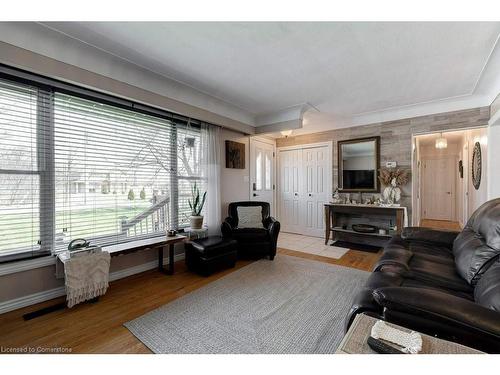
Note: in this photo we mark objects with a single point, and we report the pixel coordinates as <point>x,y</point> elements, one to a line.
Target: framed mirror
<point>359,161</point>
<point>476,166</point>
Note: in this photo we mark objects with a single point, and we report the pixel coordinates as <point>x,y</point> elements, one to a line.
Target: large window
<point>19,170</point>
<point>77,168</point>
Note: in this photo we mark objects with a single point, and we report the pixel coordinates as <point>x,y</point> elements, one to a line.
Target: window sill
<point>26,265</point>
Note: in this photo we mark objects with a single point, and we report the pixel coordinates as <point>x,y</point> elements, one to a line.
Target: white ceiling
<point>347,71</point>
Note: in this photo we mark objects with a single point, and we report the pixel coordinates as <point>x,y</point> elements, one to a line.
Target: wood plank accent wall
<point>395,138</point>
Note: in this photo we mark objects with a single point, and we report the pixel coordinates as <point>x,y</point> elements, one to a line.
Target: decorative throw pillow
<point>250,217</point>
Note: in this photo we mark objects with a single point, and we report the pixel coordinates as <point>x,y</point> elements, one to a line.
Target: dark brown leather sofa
<point>446,284</point>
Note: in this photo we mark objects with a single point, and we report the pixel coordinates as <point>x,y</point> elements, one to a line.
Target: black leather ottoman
<point>206,255</point>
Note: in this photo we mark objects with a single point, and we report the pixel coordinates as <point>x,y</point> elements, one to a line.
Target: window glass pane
<point>268,171</point>
<point>19,180</point>
<point>189,152</point>
<point>190,170</point>
<point>19,213</point>
<point>18,130</point>
<point>112,172</point>
<point>258,170</point>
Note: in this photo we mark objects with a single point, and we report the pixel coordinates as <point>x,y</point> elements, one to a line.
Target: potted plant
<point>196,205</point>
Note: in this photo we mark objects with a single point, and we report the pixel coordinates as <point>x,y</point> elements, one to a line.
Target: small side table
<point>195,234</point>
<point>354,342</point>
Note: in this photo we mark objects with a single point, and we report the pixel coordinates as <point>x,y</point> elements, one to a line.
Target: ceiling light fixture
<point>441,142</point>
<point>286,133</point>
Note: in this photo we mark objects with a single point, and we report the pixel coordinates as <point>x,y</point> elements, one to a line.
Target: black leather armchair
<point>445,284</point>
<point>252,242</point>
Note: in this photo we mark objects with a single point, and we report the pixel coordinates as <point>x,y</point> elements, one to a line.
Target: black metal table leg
<point>160,259</point>
<point>170,269</point>
<point>171,259</point>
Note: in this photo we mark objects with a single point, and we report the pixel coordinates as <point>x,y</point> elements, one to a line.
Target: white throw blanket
<point>87,276</point>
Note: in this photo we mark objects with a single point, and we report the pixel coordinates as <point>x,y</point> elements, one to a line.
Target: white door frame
<point>328,144</point>
<point>271,142</point>
<point>415,219</point>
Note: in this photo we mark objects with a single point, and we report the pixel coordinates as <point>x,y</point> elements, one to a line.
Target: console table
<point>340,217</point>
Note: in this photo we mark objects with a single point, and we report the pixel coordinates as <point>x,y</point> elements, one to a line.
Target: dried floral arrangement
<point>402,176</point>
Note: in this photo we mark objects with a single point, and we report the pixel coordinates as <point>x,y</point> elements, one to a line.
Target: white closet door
<point>315,177</point>
<point>289,177</point>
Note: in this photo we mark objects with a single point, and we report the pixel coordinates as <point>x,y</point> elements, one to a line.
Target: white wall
<point>494,157</point>
<point>478,197</point>
<point>235,185</point>
<point>494,151</point>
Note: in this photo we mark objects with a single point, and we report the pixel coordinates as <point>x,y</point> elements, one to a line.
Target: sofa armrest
<point>460,315</point>
<point>227,226</point>
<point>273,226</point>
<point>439,237</point>
<point>268,221</point>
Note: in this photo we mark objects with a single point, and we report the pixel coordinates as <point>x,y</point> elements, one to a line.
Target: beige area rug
<point>289,305</point>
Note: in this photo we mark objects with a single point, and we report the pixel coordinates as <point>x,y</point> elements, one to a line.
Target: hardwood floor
<point>441,224</point>
<point>98,327</point>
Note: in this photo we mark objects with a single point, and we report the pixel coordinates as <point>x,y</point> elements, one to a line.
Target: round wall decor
<point>476,165</point>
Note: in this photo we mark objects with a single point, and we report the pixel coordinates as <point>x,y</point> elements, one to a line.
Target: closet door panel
<point>289,171</point>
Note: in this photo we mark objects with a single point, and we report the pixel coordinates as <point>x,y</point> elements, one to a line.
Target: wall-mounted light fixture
<point>286,133</point>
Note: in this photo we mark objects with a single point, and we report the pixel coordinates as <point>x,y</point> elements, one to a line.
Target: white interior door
<point>315,192</point>
<point>438,195</point>
<point>289,185</point>
<point>262,172</point>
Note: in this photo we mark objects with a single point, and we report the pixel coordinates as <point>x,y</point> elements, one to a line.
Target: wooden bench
<point>160,243</point>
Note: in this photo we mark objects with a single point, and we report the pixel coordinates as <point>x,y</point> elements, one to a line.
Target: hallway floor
<point>309,245</point>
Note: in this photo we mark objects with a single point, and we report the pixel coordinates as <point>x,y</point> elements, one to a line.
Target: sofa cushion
<point>442,276</point>
<point>251,235</point>
<point>400,254</point>
<point>479,243</point>
<point>486,222</point>
<point>430,249</point>
<point>487,291</point>
<point>472,254</point>
<point>428,235</point>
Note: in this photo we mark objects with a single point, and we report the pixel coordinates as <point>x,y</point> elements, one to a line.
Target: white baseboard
<point>46,295</point>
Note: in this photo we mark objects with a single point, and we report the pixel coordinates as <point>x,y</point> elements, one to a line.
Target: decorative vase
<point>392,194</point>
<point>196,222</point>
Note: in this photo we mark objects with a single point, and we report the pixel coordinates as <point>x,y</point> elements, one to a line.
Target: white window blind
<point>75,167</point>
<point>24,112</point>
<point>116,172</point>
